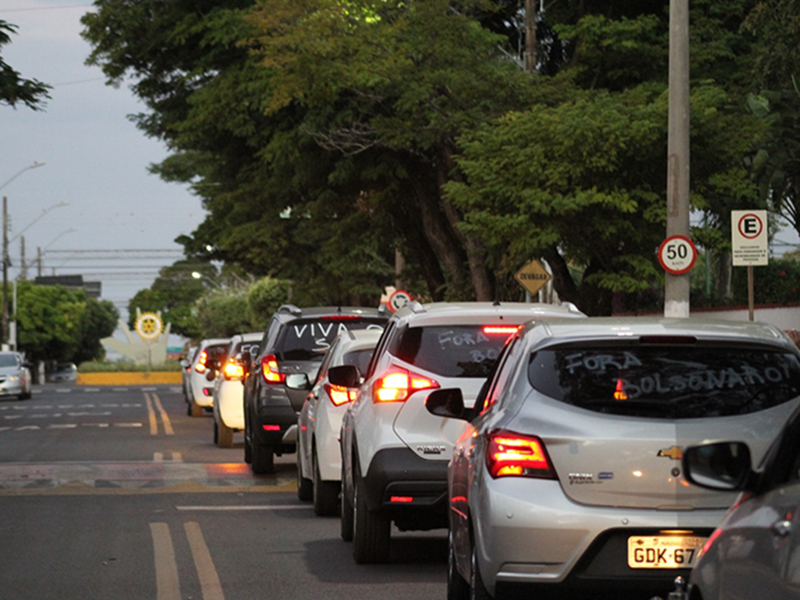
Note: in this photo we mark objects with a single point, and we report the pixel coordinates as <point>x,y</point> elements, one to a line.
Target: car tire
<point>346,506</point>
<point>305,487</point>
<point>371,531</point>
<point>477,589</point>
<point>457,586</point>
<point>263,460</point>
<point>216,432</point>
<point>326,493</point>
<point>224,435</point>
<point>194,410</point>
<point>26,396</point>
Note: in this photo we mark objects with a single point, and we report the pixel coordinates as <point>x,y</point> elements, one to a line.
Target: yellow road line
<point>206,571</point>
<point>151,414</point>
<point>164,416</point>
<point>168,586</point>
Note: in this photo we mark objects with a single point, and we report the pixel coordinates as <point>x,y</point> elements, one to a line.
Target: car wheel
<point>346,506</point>
<point>326,494</point>
<point>248,448</point>
<point>224,435</point>
<point>477,589</point>
<point>195,410</point>
<point>216,432</point>
<point>305,490</point>
<point>457,586</point>
<point>263,460</point>
<point>371,531</point>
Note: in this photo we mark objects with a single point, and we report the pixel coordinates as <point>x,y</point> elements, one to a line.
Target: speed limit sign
<point>677,254</point>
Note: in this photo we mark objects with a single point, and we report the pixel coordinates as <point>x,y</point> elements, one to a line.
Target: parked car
<point>755,550</point>
<point>319,459</point>
<point>568,476</point>
<point>15,376</point>
<point>394,453</point>
<point>64,372</point>
<point>295,341</point>
<point>228,396</point>
<point>186,371</point>
<point>208,360</point>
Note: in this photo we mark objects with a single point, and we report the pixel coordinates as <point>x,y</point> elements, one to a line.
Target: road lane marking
<point>206,571</point>
<point>151,415</point>
<point>168,585</point>
<point>251,507</point>
<point>164,416</point>
<point>159,457</point>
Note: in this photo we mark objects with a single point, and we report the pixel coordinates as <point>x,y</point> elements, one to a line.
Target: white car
<point>395,453</point>
<point>208,360</point>
<point>15,377</point>
<point>319,459</point>
<point>228,397</point>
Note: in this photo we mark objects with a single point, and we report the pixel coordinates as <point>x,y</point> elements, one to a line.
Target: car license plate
<point>663,551</point>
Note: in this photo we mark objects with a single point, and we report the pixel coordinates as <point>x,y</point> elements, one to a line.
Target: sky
<point>93,196</point>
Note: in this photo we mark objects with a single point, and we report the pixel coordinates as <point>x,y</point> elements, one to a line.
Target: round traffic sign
<point>398,300</point>
<point>677,254</point>
<point>750,226</point>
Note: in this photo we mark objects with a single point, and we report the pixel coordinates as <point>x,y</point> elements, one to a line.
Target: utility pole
<point>23,263</point>
<point>676,290</point>
<point>530,36</point>
<point>5,273</point>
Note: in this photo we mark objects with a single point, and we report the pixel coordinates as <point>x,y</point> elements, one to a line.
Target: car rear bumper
<point>528,533</point>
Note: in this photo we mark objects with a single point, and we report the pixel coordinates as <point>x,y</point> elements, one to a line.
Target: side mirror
<point>297,381</point>
<point>723,466</point>
<point>345,376</point>
<point>185,363</point>
<point>447,403</point>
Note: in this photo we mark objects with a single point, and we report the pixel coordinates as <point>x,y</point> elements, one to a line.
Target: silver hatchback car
<point>568,475</point>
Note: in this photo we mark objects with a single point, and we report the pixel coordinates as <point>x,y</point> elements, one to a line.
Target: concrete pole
<point>676,292</point>
<point>5,272</point>
<point>530,36</point>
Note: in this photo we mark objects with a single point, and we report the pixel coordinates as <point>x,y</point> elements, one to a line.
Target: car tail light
<point>510,454</point>
<point>500,329</point>
<point>398,384</point>
<point>270,371</point>
<point>200,367</point>
<point>232,370</point>
<point>339,394</point>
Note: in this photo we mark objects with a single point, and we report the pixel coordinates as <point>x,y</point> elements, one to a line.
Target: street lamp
<point>199,275</point>
<point>21,171</point>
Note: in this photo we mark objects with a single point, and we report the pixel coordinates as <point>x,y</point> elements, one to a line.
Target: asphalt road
<point>115,493</point>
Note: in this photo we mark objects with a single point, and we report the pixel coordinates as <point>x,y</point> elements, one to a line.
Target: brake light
<point>270,371</point>
<point>398,384</point>
<point>510,454</point>
<point>500,329</point>
<point>232,370</point>
<point>200,367</point>
<point>339,394</point>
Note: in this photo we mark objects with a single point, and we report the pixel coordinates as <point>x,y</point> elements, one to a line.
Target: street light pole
<point>5,273</point>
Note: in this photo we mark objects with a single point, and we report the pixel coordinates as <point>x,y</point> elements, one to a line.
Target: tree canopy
<point>14,89</point>
<point>335,142</point>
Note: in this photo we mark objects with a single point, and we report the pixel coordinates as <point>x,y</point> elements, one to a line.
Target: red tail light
<point>270,371</point>
<point>339,394</point>
<point>398,384</point>
<point>232,370</point>
<point>200,367</point>
<point>500,329</point>
<point>510,454</point>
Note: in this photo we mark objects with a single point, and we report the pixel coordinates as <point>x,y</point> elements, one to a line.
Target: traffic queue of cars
<point>564,455</point>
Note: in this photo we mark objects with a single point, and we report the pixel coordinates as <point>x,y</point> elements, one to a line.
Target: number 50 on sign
<point>677,254</point>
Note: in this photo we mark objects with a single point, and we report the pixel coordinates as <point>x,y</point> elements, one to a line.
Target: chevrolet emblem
<point>674,452</point>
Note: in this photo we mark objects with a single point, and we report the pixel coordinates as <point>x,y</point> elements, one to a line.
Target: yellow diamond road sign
<point>532,276</point>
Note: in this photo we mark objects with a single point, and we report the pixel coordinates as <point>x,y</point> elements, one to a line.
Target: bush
<point>126,367</point>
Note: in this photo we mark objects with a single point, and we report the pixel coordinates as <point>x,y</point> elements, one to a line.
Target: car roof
<point>365,337</point>
<point>476,312</point>
<point>290,311</point>
<point>605,328</point>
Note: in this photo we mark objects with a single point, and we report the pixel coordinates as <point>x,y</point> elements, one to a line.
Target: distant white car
<point>64,372</point>
<point>206,363</point>
<point>319,459</point>
<point>15,377</point>
<point>228,395</point>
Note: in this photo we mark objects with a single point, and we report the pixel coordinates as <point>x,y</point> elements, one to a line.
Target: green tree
<point>13,88</point>
<point>223,313</point>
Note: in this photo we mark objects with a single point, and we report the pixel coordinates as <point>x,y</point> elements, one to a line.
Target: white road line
<point>206,571</point>
<point>168,585</point>
<point>164,416</point>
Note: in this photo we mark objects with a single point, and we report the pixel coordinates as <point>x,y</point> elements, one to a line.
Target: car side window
<point>503,370</point>
<point>382,342</point>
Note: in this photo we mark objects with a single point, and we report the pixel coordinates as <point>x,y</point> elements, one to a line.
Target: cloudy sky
<point>94,192</point>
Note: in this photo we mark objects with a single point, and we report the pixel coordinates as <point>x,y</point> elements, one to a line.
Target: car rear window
<point>309,339</point>
<point>450,351</point>
<point>670,382</point>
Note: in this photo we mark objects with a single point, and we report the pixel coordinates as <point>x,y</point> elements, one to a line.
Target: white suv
<point>394,452</point>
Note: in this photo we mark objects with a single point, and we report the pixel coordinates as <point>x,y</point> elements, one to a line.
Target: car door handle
<point>782,528</point>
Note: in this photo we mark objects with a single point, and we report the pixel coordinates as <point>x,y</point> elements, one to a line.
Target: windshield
<point>8,360</point>
<point>670,381</point>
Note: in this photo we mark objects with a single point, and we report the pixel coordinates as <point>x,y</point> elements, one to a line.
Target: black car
<point>755,550</point>
<point>295,341</point>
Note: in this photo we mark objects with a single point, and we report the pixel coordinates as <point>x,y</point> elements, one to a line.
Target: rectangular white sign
<point>749,241</point>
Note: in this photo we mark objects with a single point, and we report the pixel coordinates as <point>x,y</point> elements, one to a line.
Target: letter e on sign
<point>749,239</point>
<point>677,254</point>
